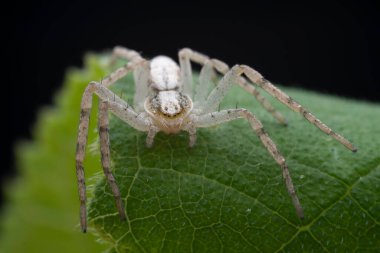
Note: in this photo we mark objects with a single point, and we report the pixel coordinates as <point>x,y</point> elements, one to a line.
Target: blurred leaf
<point>227,195</point>
<point>42,212</point>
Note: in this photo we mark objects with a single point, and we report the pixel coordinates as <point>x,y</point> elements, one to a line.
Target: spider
<point>163,102</point>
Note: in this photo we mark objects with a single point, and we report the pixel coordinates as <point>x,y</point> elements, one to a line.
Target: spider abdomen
<point>164,73</point>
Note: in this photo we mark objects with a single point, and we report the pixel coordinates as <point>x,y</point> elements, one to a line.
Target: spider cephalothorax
<point>163,101</point>
<point>169,109</point>
<point>169,104</point>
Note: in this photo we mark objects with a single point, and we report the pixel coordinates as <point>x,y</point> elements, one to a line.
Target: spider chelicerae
<point>163,101</point>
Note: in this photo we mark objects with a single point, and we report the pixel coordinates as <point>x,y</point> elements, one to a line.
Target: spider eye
<point>166,108</point>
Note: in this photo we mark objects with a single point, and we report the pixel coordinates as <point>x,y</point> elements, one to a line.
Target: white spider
<point>163,102</point>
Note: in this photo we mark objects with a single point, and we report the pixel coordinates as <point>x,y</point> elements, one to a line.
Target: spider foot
<point>149,142</point>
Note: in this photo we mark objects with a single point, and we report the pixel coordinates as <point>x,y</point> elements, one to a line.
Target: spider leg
<point>103,123</point>
<point>218,93</point>
<point>205,84</point>
<point>216,118</point>
<point>186,54</point>
<point>86,104</point>
<point>242,82</point>
<point>258,79</point>
<point>124,53</point>
<point>235,73</point>
<point>141,74</point>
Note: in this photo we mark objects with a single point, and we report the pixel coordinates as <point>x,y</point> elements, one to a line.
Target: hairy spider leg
<point>186,55</point>
<point>141,74</point>
<point>86,104</point>
<point>215,118</point>
<point>103,123</point>
<point>258,79</point>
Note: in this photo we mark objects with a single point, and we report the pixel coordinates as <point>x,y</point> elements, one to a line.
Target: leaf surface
<point>42,211</point>
<point>227,195</point>
<point>224,195</point>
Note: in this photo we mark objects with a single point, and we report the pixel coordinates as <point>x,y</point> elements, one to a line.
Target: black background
<point>329,46</point>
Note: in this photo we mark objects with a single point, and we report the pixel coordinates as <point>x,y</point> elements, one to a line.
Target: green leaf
<point>224,195</point>
<point>227,195</point>
<point>42,212</point>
